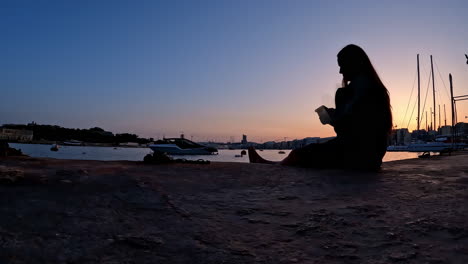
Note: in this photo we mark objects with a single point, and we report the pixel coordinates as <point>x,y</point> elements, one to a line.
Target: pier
<point>71,211</point>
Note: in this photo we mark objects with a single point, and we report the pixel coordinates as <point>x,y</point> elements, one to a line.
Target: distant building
<point>445,130</point>
<point>129,144</point>
<point>283,144</point>
<point>244,139</point>
<point>296,143</point>
<point>16,134</point>
<point>461,129</point>
<point>323,140</point>
<point>419,135</point>
<point>309,140</point>
<point>403,136</point>
<point>269,144</point>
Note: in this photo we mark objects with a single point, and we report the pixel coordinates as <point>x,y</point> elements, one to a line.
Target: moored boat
<point>430,147</point>
<point>73,143</point>
<point>181,146</point>
<point>54,147</point>
<point>397,148</point>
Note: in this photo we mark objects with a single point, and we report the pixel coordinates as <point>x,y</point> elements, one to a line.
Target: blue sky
<point>214,69</point>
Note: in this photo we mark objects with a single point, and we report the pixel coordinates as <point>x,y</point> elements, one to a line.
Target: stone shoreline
<point>75,211</point>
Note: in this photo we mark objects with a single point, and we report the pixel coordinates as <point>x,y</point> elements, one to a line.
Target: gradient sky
<point>217,69</point>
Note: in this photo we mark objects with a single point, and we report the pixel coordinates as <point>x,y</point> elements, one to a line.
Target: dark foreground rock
<point>6,151</point>
<point>63,211</point>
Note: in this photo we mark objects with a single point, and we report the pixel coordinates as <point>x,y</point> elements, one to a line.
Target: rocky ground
<point>64,211</point>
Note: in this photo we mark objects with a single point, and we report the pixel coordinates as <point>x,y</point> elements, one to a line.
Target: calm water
<point>137,154</point>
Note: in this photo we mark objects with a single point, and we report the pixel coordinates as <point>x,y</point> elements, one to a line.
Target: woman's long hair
<point>358,57</point>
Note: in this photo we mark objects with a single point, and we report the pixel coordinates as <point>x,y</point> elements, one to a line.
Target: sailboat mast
<point>452,102</point>
<point>430,111</point>
<point>427,127</point>
<point>439,119</point>
<point>433,93</point>
<point>445,116</point>
<point>419,93</point>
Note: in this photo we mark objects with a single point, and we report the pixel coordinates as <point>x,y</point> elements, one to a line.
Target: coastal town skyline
<point>217,69</point>
<point>52,134</point>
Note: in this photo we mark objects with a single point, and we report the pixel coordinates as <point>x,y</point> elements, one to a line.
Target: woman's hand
<point>324,115</point>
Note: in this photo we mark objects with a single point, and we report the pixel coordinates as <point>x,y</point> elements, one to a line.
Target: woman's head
<point>353,61</point>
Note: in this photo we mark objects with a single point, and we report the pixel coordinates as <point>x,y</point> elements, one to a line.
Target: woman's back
<point>364,121</point>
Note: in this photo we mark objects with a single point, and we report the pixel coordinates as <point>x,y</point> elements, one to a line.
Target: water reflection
<point>137,154</point>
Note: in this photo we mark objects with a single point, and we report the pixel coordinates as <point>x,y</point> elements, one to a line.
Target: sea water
<point>137,154</point>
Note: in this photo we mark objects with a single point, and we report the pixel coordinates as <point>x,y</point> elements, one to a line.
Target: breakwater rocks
<point>69,211</point>
<point>5,150</point>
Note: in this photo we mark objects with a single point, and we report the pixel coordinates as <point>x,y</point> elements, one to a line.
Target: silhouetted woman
<point>362,120</point>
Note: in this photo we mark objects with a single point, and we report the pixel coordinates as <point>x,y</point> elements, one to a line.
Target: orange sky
<point>217,69</point>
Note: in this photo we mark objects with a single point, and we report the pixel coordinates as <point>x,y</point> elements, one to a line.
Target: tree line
<point>92,135</point>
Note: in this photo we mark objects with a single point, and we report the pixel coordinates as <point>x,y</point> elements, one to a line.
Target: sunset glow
<point>218,69</point>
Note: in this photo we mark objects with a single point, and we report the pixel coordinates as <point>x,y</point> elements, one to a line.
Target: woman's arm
<point>331,113</point>
<point>350,99</point>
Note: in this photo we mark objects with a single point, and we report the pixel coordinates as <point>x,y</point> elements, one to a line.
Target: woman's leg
<point>255,158</point>
<point>295,158</point>
<point>322,155</point>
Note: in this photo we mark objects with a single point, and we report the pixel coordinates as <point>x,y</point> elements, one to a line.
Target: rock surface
<point>64,211</point>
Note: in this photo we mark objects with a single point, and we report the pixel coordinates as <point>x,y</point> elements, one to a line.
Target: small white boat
<point>397,148</point>
<point>181,146</point>
<point>73,143</point>
<point>54,147</point>
<point>423,147</point>
<point>430,147</point>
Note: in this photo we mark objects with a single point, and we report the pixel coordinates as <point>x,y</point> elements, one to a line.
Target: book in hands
<point>322,111</point>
